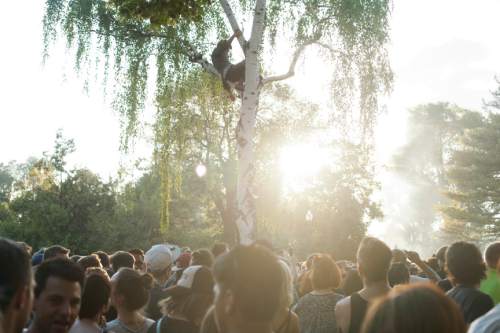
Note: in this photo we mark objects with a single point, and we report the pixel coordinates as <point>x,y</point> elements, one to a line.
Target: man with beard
<point>58,290</point>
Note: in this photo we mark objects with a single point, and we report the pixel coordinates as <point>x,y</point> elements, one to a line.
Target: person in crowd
<point>248,284</point>
<point>16,292</point>
<point>466,269</point>
<point>56,251</point>
<point>400,256</point>
<point>139,264</point>
<point>75,258</point>
<point>316,310</point>
<point>129,294</point>
<point>441,260</point>
<point>352,283</point>
<point>202,257</point>
<point>182,262</point>
<point>398,274</point>
<point>489,323</point>
<point>58,288</point>
<point>158,261</point>
<point>89,261</point>
<point>432,262</point>
<point>104,259</point>
<point>445,282</point>
<point>105,262</point>
<point>421,308</point>
<point>374,259</point>
<point>286,321</point>
<point>95,302</point>
<point>218,249</point>
<point>491,285</point>
<point>121,259</point>
<point>187,302</point>
<point>304,285</point>
<point>26,247</point>
<point>37,257</point>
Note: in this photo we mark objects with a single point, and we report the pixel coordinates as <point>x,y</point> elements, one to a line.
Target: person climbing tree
<point>233,76</point>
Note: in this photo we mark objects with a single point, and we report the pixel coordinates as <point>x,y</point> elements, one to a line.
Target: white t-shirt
<point>489,323</point>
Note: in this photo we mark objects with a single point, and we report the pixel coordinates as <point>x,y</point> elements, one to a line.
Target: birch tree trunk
<point>246,129</point>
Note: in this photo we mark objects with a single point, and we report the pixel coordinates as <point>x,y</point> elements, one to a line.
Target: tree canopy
<point>164,45</point>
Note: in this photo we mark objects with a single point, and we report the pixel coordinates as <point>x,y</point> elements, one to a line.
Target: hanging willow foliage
<point>128,40</point>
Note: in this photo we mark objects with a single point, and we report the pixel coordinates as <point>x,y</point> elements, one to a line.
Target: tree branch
<point>188,51</point>
<point>296,56</point>
<point>234,24</point>
<point>291,68</point>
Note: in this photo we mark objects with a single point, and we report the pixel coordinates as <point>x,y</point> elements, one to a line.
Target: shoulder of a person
<point>484,298</point>
<point>489,323</point>
<point>343,305</point>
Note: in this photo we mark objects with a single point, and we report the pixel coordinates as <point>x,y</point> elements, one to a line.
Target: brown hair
<point>465,264</point>
<point>53,251</point>
<point>492,255</point>
<point>89,262</point>
<point>421,308</point>
<point>325,273</point>
<point>253,274</point>
<point>374,258</point>
<point>202,257</point>
<point>95,295</point>
<point>134,287</point>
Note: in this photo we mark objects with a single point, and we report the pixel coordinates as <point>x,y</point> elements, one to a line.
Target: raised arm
<point>415,258</point>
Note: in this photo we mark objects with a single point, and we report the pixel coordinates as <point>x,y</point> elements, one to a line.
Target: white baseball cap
<point>158,257</point>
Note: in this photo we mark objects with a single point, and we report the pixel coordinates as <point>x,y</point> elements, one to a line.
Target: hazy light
<point>309,216</point>
<point>201,170</point>
<point>299,163</point>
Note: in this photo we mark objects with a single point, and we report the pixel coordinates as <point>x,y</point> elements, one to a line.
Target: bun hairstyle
<point>134,287</point>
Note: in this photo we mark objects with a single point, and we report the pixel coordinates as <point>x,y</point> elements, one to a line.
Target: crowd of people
<point>255,288</point>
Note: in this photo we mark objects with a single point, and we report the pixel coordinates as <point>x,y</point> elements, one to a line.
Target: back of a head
<point>59,267</point>
<point>122,259</point>
<point>254,276</point>
<point>417,308</point>
<point>133,286</point>
<point>202,257</point>
<point>398,256</point>
<point>15,271</point>
<point>325,273</point>
<point>492,255</point>
<point>464,264</point>
<point>95,295</point>
<point>352,283</point>
<point>89,261</point>
<point>104,258</point>
<point>441,254</point>
<point>55,251</point>
<point>219,248</point>
<point>398,274</point>
<point>374,259</point>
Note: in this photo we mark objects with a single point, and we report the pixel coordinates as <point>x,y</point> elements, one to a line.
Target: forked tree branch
<point>295,58</point>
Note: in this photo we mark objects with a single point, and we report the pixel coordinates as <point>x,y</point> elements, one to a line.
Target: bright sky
<point>444,50</point>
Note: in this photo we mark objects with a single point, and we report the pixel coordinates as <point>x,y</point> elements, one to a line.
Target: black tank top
<point>358,311</point>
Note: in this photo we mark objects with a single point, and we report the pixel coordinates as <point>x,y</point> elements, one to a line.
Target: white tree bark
<point>233,22</point>
<point>246,129</point>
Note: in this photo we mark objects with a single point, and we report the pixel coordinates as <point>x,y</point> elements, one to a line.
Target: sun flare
<point>299,164</point>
